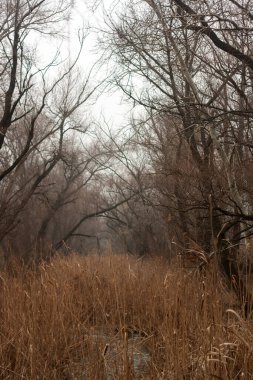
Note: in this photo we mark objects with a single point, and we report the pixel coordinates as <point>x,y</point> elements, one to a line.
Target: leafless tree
<point>189,64</point>
<point>51,163</point>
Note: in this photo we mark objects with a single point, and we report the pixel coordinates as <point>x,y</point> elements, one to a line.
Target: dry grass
<point>93,317</point>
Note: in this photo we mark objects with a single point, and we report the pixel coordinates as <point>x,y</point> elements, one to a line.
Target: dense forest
<point>177,175</point>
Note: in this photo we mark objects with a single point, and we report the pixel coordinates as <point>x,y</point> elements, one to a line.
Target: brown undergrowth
<point>119,317</point>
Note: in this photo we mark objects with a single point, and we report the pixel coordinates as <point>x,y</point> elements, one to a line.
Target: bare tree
<point>194,61</point>
<point>48,156</point>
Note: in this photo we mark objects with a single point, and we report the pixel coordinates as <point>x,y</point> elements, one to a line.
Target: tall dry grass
<point>88,317</point>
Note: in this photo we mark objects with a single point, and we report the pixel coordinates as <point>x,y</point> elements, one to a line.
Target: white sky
<point>109,106</point>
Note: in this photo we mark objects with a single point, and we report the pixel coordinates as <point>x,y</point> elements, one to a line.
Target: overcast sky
<point>109,105</point>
